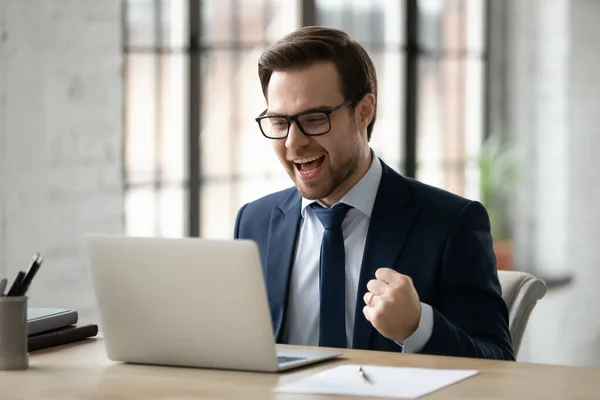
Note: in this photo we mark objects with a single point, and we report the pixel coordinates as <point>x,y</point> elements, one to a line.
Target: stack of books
<point>49,327</point>
<point>46,327</point>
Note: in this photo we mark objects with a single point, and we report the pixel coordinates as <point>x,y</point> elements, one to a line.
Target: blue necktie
<point>332,276</point>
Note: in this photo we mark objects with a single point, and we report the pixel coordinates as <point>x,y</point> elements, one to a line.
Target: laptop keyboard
<point>282,359</point>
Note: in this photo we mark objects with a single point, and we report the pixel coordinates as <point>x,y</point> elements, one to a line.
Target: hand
<point>392,305</point>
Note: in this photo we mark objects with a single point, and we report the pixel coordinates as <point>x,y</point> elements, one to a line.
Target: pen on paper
<point>364,375</point>
<point>3,283</point>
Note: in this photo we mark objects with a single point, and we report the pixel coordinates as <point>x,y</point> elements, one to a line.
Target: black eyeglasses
<point>311,122</point>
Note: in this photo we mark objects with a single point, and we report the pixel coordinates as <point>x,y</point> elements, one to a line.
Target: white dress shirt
<point>302,322</point>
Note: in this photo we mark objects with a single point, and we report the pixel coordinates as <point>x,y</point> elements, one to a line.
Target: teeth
<point>306,160</point>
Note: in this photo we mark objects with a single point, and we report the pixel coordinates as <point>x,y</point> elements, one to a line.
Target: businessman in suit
<point>356,255</point>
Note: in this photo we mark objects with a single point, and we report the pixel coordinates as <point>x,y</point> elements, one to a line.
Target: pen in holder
<point>13,333</point>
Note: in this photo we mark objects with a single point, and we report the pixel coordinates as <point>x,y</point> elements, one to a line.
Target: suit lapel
<point>393,215</point>
<point>283,232</point>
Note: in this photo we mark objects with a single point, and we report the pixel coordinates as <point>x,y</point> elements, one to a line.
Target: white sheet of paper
<point>390,382</point>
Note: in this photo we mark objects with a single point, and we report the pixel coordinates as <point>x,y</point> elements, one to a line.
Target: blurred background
<point>137,117</point>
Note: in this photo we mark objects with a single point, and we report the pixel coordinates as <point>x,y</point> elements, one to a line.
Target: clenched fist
<point>392,305</point>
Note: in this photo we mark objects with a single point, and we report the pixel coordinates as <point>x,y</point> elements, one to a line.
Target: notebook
<point>57,337</point>
<point>46,319</point>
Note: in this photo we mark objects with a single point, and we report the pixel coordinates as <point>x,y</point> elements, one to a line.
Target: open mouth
<point>309,167</point>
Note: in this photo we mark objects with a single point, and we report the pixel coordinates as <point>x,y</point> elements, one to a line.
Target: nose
<point>296,138</point>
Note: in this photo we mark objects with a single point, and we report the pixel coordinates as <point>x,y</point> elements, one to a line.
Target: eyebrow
<point>312,109</point>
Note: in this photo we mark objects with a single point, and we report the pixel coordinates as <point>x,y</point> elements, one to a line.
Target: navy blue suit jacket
<point>442,241</point>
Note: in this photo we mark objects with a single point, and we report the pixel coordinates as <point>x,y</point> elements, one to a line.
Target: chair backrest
<point>520,292</point>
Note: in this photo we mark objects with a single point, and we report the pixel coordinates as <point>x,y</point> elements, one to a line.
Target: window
<point>155,41</point>
<point>193,152</point>
<point>450,93</point>
<point>378,26</point>
<point>237,163</point>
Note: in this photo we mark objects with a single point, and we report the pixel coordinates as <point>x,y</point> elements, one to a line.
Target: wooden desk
<point>82,371</point>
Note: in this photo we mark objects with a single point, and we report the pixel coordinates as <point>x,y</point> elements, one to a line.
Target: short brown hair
<point>313,43</point>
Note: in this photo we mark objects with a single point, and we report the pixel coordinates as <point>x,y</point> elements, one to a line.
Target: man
<point>356,255</point>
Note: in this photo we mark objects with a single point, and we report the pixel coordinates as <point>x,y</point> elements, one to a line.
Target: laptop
<point>189,302</point>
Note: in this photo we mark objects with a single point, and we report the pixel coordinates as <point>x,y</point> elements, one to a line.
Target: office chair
<point>520,292</point>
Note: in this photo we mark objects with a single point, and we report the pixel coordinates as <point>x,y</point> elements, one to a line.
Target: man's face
<point>320,166</point>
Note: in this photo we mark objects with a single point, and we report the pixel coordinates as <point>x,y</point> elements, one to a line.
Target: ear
<point>365,110</point>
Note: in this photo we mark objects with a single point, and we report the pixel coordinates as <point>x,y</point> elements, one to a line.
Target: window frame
<point>193,50</point>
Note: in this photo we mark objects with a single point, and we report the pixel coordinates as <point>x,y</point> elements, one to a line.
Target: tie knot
<point>331,218</point>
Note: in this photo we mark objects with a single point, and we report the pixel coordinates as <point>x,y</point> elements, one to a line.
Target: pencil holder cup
<point>13,333</point>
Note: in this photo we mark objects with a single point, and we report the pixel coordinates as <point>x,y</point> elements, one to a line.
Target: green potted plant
<point>499,172</point>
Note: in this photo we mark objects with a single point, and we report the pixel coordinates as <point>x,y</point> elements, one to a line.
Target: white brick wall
<point>554,86</point>
<point>3,177</point>
<point>584,184</point>
<point>60,140</point>
<point>537,81</point>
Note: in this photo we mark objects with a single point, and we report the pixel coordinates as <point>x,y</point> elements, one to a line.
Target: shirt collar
<point>362,195</point>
